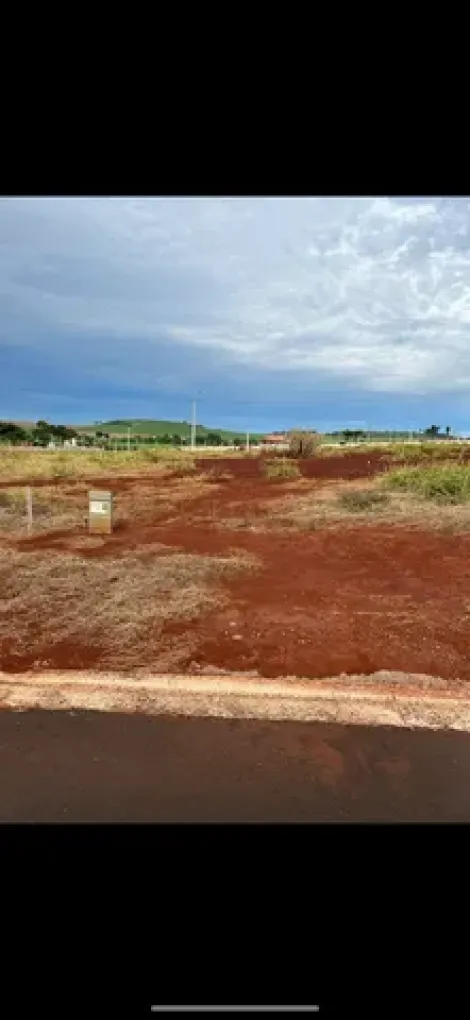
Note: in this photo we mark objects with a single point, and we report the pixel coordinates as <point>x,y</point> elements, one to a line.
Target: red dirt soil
<point>357,465</point>
<point>353,600</point>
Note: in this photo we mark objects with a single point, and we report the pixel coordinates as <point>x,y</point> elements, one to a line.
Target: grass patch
<point>361,501</point>
<point>429,452</point>
<point>25,464</point>
<point>445,483</point>
<point>66,610</point>
<point>278,470</point>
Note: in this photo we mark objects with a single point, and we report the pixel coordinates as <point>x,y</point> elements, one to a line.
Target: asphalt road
<point>92,766</point>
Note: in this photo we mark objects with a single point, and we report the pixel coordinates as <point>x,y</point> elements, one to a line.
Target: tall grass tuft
<point>279,469</point>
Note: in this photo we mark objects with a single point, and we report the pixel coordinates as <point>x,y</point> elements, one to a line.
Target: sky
<point>270,312</point>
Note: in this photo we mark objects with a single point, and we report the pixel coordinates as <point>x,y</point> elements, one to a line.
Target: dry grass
<point>66,507</point>
<point>355,503</point>
<point>16,465</point>
<point>304,444</point>
<point>278,470</point>
<point>51,509</point>
<point>24,464</point>
<point>108,612</point>
<point>362,500</point>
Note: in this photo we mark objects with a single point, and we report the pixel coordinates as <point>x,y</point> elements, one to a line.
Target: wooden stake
<point>29,508</point>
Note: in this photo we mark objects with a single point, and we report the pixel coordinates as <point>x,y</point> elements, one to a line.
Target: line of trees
<point>360,435</point>
<point>40,435</point>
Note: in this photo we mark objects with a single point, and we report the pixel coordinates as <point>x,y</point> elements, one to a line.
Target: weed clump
<point>362,501</point>
<point>280,469</point>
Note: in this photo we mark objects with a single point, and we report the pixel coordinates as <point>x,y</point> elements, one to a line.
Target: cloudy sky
<point>273,312</point>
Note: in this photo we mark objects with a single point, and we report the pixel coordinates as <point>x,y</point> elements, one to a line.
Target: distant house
<point>275,439</point>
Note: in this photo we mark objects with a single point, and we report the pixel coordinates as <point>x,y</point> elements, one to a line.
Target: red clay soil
<point>353,465</point>
<point>324,602</point>
<point>352,600</point>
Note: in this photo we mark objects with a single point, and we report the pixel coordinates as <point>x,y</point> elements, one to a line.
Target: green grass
<point>445,483</point>
<point>430,451</point>
<point>157,427</point>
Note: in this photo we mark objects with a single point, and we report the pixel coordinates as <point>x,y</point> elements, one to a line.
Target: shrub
<point>445,483</point>
<point>304,444</point>
<point>362,501</point>
<point>279,469</point>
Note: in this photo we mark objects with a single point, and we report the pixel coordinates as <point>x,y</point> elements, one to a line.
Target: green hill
<point>151,427</point>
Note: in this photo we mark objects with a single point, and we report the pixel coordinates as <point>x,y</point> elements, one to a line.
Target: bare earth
<point>224,570</point>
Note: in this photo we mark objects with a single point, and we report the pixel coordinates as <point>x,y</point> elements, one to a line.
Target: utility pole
<point>248,442</point>
<point>193,426</point>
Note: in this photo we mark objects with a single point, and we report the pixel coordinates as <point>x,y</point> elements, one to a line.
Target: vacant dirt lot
<point>222,568</point>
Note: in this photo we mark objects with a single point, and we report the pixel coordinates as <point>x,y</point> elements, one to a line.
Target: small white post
<point>29,508</point>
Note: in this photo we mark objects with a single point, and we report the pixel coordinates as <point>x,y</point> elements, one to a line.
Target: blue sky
<point>274,312</point>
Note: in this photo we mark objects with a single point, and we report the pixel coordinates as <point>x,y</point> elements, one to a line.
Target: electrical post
<point>193,426</point>
<point>248,442</point>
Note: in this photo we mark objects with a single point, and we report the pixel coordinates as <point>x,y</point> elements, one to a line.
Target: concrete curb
<point>239,697</point>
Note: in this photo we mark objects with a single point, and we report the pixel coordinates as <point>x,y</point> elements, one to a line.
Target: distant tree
<point>42,434</point>
<point>176,439</point>
<point>432,431</point>
<point>213,439</point>
<point>448,430</point>
<point>237,441</point>
<point>11,433</point>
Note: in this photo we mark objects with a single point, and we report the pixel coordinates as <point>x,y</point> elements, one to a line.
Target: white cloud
<point>374,291</point>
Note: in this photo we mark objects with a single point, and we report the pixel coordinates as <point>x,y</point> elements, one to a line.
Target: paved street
<point>86,766</point>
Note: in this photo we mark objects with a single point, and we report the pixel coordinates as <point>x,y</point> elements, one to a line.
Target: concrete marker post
<point>100,512</point>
